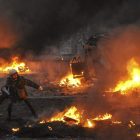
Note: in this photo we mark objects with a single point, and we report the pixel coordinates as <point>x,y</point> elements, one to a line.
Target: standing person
<point>15,90</point>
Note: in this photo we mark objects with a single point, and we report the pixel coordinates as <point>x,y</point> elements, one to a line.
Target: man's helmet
<point>12,72</point>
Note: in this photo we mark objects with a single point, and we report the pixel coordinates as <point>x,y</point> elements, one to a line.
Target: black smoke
<point>40,23</point>
<point>37,24</point>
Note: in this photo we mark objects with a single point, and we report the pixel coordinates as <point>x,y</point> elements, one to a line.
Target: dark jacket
<point>17,88</point>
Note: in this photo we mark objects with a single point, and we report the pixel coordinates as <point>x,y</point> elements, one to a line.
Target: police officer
<point>15,90</point>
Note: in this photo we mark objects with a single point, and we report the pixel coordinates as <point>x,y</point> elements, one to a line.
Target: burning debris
<point>69,81</point>
<point>20,67</point>
<point>70,125</point>
<point>72,116</point>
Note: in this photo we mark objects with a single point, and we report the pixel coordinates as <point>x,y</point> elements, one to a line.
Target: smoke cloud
<point>40,23</point>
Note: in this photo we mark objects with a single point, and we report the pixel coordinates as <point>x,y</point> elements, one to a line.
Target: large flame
<point>20,67</point>
<point>134,78</point>
<point>69,81</point>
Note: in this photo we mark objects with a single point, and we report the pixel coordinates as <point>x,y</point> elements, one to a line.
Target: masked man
<point>15,90</point>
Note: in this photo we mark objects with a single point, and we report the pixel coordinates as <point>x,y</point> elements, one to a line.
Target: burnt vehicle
<point>95,59</point>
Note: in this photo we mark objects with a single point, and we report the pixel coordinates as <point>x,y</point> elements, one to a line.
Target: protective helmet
<point>12,72</point>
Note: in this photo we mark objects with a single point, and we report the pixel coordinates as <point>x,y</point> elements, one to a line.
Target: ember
<point>49,127</point>
<point>132,123</point>
<point>117,122</point>
<point>15,129</point>
<point>20,67</point>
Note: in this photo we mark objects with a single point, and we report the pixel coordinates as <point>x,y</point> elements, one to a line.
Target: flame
<point>134,80</point>
<point>89,123</point>
<point>104,117</point>
<point>50,127</point>
<point>70,81</point>
<point>117,122</point>
<point>43,121</point>
<point>71,113</point>
<point>72,116</point>
<point>20,67</point>
<point>15,129</point>
<point>138,134</point>
<point>132,123</point>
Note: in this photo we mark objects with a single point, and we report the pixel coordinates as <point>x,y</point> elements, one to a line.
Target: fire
<point>50,127</point>
<point>104,117</point>
<point>15,129</point>
<point>133,69</point>
<point>117,122</point>
<point>71,114</point>
<point>132,123</point>
<point>138,134</point>
<point>70,81</point>
<point>89,123</point>
<point>20,67</point>
<point>43,121</point>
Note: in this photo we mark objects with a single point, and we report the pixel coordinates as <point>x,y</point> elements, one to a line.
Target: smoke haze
<point>36,24</point>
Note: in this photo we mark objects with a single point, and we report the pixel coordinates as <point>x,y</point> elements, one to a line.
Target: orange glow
<point>15,129</point>
<point>20,67</point>
<point>138,134</point>
<point>69,81</point>
<point>104,117</point>
<point>29,125</point>
<point>116,122</point>
<point>134,78</point>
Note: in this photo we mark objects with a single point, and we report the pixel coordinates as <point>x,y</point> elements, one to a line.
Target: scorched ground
<point>113,121</point>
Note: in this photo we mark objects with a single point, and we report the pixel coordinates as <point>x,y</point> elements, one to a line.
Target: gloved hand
<point>40,88</point>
